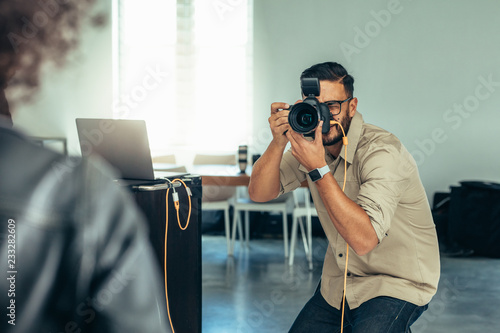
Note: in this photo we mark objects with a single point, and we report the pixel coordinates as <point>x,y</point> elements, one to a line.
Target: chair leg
<point>293,240</point>
<point>227,230</point>
<point>309,238</point>
<point>303,233</point>
<point>235,224</point>
<point>285,233</point>
<point>240,230</point>
<point>247,228</point>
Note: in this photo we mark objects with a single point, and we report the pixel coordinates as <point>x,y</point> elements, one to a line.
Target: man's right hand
<point>278,121</point>
<point>265,179</point>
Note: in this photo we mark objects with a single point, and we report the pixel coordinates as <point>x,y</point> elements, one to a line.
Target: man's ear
<point>353,106</point>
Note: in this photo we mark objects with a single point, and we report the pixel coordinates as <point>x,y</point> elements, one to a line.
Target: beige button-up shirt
<point>382,178</point>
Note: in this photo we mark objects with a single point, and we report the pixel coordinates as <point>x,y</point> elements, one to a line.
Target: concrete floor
<point>256,290</point>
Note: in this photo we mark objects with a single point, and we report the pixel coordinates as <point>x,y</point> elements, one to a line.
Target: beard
<point>332,138</point>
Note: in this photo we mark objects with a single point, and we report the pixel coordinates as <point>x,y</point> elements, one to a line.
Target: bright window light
<point>185,67</point>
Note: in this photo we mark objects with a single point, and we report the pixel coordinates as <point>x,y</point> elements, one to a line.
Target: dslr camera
<point>304,117</point>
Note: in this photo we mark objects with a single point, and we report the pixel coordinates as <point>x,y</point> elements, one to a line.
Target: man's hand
<point>265,179</point>
<point>311,154</point>
<point>278,121</point>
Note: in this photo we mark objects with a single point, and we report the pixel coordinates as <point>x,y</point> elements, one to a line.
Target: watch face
<point>315,175</point>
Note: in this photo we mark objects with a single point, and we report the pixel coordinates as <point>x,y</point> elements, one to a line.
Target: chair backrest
<point>170,159</point>
<point>214,159</point>
<point>299,195</point>
<point>180,168</point>
<point>302,198</point>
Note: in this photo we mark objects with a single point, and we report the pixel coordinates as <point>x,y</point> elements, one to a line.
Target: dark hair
<point>34,33</point>
<point>331,71</point>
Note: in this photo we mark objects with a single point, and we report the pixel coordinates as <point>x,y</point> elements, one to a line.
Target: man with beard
<point>382,216</point>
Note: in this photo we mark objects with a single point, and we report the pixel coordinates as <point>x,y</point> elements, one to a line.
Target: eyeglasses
<point>336,106</point>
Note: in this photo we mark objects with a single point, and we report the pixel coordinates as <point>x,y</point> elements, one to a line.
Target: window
<point>185,67</point>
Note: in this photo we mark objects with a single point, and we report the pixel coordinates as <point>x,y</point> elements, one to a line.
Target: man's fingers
<point>295,138</point>
<point>278,106</point>
<point>279,118</point>
<point>289,135</point>
<point>319,129</point>
<point>318,134</point>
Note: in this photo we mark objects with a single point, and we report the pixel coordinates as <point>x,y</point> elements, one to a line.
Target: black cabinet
<point>183,248</point>
<point>474,217</point>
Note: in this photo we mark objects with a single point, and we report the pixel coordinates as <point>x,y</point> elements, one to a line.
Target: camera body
<point>304,117</point>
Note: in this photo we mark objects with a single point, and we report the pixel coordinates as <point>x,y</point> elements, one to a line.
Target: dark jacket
<point>74,250</point>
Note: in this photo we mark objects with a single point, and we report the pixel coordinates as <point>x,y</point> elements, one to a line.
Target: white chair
<point>200,159</point>
<point>218,197</point>
<point>167,163</point>
<point>303,209</point>
<point>180,169</point>
<point>280,205</point>
<point>170,159</point>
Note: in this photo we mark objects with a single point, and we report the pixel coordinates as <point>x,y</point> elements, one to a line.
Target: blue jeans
<point>380,314</point>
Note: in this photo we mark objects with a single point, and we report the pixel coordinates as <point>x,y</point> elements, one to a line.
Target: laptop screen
<point>123,143</point>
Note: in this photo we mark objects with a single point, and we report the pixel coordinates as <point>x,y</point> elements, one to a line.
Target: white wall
<point>412,69</point>
<point>83,88</point>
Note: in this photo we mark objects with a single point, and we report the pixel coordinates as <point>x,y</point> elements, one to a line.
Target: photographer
<point>392,268</point>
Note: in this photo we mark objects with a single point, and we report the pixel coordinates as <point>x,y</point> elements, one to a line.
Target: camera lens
<point>303,118</point>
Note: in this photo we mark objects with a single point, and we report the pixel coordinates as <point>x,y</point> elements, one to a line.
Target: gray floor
<point>256,291</point>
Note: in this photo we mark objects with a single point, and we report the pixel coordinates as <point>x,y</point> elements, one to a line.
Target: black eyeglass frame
<point>340,104</point>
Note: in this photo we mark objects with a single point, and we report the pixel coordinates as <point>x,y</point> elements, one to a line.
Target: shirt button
<point>340,255</point>
<point>349,274</point>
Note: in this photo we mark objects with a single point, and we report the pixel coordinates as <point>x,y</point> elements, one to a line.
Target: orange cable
<point>165,261</point>
<point>345,142</point>
<point>176,204</point>
<point>177,208</point>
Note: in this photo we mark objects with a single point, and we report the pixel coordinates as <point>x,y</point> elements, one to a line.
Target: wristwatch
<point>317,174</point>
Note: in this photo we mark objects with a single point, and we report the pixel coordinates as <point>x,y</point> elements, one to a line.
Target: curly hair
<point>34,33</point>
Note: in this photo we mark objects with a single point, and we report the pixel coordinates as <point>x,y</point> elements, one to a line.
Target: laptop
<point>124,144</point>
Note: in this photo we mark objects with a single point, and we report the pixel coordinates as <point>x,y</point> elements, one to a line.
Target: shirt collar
<point>353,137</point>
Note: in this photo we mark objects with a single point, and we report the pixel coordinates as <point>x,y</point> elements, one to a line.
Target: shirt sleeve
<point>290,175</point>
<point>384,177</point>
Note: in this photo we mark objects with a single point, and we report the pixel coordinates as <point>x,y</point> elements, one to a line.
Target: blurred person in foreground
<point>383,216</point>
<point>74,250</point>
